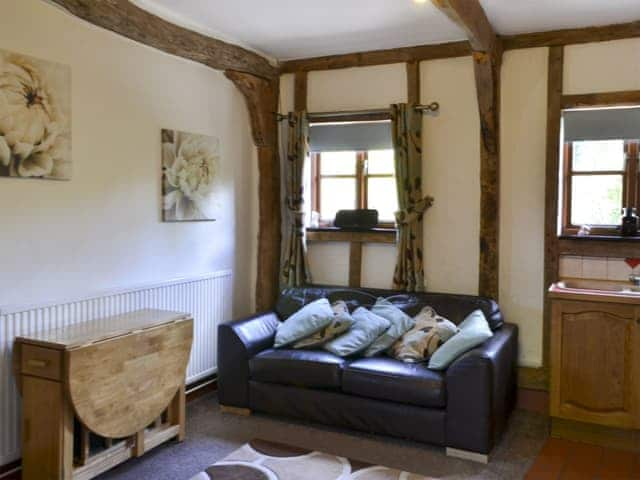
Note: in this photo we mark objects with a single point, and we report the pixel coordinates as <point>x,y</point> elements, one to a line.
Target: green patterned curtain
<point>295,267</point>
<point>406,131</point>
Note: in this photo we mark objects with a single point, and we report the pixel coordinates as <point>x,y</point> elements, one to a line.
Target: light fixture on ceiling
<point>419,1</point>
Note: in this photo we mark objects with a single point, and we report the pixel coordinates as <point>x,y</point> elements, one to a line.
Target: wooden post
<point>261,96</point>
<point>355,264</point>
<point>413,83</point>
<point>300,91</point>
<point>551,247</point>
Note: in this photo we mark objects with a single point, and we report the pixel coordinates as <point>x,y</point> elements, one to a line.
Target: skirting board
<point>466,455</point>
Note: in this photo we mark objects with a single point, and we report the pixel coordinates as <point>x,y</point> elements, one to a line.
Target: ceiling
<point>289,29</point>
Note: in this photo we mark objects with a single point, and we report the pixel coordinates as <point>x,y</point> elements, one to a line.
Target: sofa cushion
<point>302,368</point>
<point>367,327</point>
<point>452,306</point>
<point>310,319</point>
<point>384,378</point>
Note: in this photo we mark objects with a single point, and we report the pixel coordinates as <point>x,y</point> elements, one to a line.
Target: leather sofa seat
<point>301,368</point>
<point>384,378</point>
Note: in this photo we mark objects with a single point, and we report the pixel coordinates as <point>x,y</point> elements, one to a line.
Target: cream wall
<point>102,229</point>
<point>523,146</point>
<point>602,67</point>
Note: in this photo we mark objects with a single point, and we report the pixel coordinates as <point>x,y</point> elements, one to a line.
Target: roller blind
<point>357,136</point>
<point>601,124</point>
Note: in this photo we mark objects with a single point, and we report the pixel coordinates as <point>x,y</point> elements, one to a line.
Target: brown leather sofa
<point>464,408</point>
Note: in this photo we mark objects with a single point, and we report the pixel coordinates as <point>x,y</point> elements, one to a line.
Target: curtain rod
<point>373,114</point>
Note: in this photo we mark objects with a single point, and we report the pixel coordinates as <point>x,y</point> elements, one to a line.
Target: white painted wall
<point>523,156</point>
<point>102,229</point>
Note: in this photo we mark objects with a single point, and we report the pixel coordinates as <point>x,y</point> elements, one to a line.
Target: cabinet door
<point>594,363</point>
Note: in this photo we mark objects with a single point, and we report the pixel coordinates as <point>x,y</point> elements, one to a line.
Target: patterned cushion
<point>400,324</point>
<point>430,332</point>
<point>342,322</point>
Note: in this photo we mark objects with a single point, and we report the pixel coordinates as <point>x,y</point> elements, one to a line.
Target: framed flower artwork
<point>35,118</point>
<point>190,171</point>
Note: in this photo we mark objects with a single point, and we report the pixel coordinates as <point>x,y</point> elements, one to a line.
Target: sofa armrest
<point>481,389</point>
<point>238,342</point>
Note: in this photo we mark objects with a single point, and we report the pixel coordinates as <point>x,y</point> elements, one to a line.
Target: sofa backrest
<point>451,306</point>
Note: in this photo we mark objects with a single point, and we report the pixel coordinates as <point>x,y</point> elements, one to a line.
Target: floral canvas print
<point>190,168</point>
<point>35,118</point>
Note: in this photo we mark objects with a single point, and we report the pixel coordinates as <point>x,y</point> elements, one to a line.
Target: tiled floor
<point>566,460</point>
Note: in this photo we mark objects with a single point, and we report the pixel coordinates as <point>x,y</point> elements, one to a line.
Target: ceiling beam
<point>378,57</point>
<point>470,16</point>
<point>463,48</point>
<point>571,36</point>
<point>128,20</point>
<point>487,57</point>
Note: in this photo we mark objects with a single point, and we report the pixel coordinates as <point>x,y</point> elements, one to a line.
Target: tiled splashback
<point>596,268</point>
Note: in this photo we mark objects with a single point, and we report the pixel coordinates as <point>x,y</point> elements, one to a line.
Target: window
<point>600,177</point>
<point>354,179</point>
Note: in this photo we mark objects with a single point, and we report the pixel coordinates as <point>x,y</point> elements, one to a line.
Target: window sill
<point>333,234</point>
<point>606,238</point>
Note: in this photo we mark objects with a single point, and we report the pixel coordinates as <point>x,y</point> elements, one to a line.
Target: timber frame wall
<point>258,80</point>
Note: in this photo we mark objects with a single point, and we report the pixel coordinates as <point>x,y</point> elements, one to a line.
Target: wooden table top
<point>80,334</point>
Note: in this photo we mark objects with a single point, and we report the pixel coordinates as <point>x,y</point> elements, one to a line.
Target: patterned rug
<point>261,460</point>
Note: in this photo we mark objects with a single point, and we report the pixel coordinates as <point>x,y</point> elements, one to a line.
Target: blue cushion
<point>474,330</point>
<point>400,324</point>
<point>367,327</point>
<point>308,320</point>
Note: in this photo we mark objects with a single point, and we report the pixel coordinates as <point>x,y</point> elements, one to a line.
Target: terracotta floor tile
<point>551,460</point>
<point>583,462</point>
<point>616,465</point>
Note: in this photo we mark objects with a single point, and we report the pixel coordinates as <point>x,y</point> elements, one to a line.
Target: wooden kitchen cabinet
<point>595,360</point>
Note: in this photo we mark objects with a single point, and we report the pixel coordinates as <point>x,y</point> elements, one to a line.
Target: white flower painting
<point>35,118</point>
<point>190,170</point>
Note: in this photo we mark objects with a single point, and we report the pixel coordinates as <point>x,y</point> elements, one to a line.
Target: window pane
<point>596,199</point>
<point>336,194</point>
<point>380,162</point>
<point>598,155</point>
<point>338,163</point>
<point>382,196</point>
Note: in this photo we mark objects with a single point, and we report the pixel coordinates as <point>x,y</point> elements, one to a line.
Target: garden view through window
<point>600,178</point>
<point>354,179</point>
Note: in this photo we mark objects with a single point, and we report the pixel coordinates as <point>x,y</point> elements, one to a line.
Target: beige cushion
<point>429,333</point>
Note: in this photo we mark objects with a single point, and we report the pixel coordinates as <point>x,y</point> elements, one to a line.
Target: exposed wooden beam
<point>470,16</point>
<point>551,256</point>
<point>126,19</point>
<point>300,91</point>
<point>463,48</point>
<point>604,99</point>
<point>573,36</point>
<point>261,96</point>
<point>413,83</point>
<point>378,57</point>
<point>487,57</point>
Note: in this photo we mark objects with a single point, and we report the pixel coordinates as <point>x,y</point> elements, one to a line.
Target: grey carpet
<point>212,435</point>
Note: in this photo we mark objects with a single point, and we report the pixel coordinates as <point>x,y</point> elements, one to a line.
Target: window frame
<point>630,187</point>
<point>361,177</point>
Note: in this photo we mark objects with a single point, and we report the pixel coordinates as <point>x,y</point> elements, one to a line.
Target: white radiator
<point>206,297</point>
